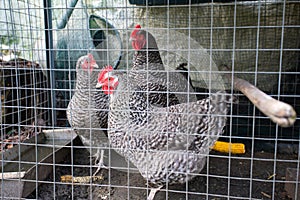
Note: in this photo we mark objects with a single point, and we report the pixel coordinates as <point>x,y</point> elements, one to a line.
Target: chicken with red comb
<point>82,114</point>
<point>146,48</point>
<point>155,120</point>
<point>167,144</point>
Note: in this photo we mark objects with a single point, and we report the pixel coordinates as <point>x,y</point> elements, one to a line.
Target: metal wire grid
<point>24,98</point>
<point>255,175</point>
<point>22,82</point>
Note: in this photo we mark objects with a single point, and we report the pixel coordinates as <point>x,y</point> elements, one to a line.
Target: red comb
<point>90,56</point>
<point>89,62</point>
<point>136,29</point>
<point>103,72</point>
<point>92,59</point>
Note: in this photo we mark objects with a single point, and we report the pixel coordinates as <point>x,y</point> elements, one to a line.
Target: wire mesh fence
<point>62,137</point>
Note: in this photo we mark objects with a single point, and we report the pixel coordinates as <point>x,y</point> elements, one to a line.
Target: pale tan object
<point>279,112</point>
<point>80,179</point>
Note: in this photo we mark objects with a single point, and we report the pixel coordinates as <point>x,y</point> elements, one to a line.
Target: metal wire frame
<point>245,122</point>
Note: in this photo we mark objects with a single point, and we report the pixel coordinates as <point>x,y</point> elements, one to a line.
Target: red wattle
<point>135,45</point>
<point>107,90</point>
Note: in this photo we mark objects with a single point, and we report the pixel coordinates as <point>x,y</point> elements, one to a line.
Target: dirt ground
<point>256,178</point>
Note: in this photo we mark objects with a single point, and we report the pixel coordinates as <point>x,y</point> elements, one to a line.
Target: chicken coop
<point>150,99</point>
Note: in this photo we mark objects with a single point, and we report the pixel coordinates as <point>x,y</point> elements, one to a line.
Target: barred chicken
<point>155,120</point>
<point>146,49</point>
<point>167,144</point>
<point>89,123</point>
<point>147,61</point>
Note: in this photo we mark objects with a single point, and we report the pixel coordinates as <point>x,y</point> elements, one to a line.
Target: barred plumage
<point>146,50</point>
<point>84,115</point>
<point>164,143</point>
<point>156,122</point>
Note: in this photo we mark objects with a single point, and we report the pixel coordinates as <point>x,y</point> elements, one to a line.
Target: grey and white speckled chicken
<point>89,123</point>
<point>146,49</point>
<point>163,131</point>
<point>147,61</point>
<point>166,144</point>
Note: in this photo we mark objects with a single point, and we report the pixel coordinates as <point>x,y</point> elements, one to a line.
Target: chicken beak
<point>96,66</point>
<point>99,85</point>
<point>131,39</point>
